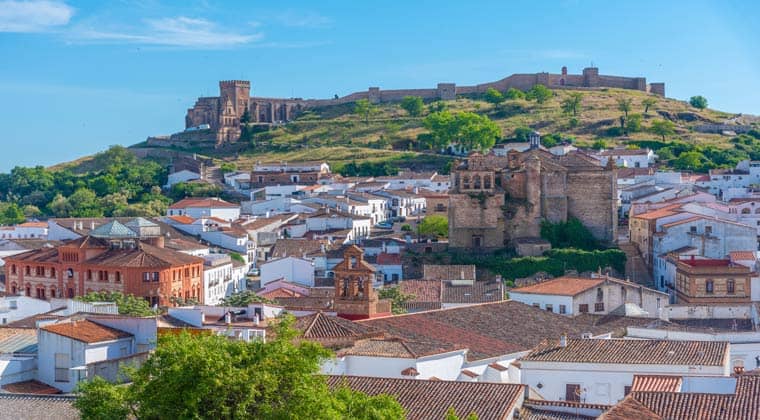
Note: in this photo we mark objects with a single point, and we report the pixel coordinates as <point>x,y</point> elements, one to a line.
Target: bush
<point>699,102</point>
<point>570,234</point>
<point>523,133</point>
<point>406,228</point>
<point>514,93</point>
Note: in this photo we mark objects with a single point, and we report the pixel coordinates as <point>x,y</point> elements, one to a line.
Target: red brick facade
<point>92,265</point>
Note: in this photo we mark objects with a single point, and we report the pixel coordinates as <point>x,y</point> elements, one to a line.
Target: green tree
<point>539,93</point>
<point>648,103</point>
<point>699,102</point>
<point>227,167</point>
<point>434,225</point>
<point>570,234</point>
<point>514,93</point>
<point>523,133</point>
<point>128,304</point>
<point>624,106</point>
<point>572,103</point>
<point>452,415</point>
<point>493,96</point>
<point>364,108</point>
<point>397,298</point>
<point>243,298</point>
<point>246,117</point>
<point>663,128</point>
<point>84,203</point>
<point>633,123</point>
<point>11,214</point>
<point>692,160</point>
<point>208,376</point>
<point>599,145</point>
<point>412,105</point>
<point>470,130</point>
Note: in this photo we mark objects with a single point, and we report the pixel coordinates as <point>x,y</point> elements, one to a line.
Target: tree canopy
<point>397,298</point>
<point>663,128</point>
<point>493,96</point>
<point>128,304</point>
<point>434,225</point>
<point>243,298</point>
<point>699,102</point>
<point>412,105</point>
<point>539,93</point>
<point>572,103</point>
<point>364,108</point>
<point>467,129</point>
<point>212,377</point>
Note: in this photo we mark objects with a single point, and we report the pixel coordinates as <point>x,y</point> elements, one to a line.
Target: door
<point>572,392</point>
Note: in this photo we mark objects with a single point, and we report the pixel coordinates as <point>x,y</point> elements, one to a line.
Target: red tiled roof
<point>562,286</point>
<point>185,220</point>
<point>31,387</point>
<point>86,331</point>
<point>629,409</point>
<point>385,258</point>
<point>448,272</point>
<point>425,400</point>
<point>34,224</point>
<point>668,210</point>
<point>659,383</point>
<point>423,290</point>
<point>202,202</point>
<point>622,351</point>
<point>705,262</point>
<point>742,255</point>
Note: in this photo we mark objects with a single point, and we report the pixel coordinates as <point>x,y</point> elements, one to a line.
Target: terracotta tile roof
<point>469,373</point>
<point>320,326</point>
<point>622,351</point>
<point>562,286</point>
<point>202,202</point>
<point>530,413</point>
<point>660,383</point>
<point>423,290</point>
<point>143,256</point>
<point>742,256</point>
<point>478,292</point>
<point>493,329</point>
<point>86,331</point>
<point>385,258</point>
<point>34,224</point>
<point>629,409</point>
<point>393,347</point>
<point>705,262</point>
<point>498,367</point>
<point>280,292</point>
<point>31,387</point>
<point>185,220</point>
<point>425,400</point>
<point>448,272</point>
<point>668,210</point>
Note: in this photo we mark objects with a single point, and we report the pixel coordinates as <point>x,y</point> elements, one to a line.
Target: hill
<point>338,135</point>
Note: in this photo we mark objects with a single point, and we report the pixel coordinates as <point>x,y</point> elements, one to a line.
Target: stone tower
<point>354,296</point>
<point>236,91</point>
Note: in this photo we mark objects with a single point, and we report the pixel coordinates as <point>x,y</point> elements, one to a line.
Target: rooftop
<point>37,407</point>
<point>562,286</point>
<point>658,383</point>
<point>622,351</point>
<point>86,331</point>
<point>424,400</point>
<point>202,202</point>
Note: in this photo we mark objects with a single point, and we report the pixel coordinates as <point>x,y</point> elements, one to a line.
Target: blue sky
<point>76,76</point>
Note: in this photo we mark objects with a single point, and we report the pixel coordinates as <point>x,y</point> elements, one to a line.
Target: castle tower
<point>354,296</point>
<point>238,92</point>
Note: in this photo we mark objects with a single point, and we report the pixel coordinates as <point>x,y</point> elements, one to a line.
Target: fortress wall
<point>637,83</point>
<point>591,198</point>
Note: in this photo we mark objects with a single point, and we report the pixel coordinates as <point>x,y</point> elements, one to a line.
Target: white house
<point>13,308</point>
<point>603,295</point>
<point>389,267</point>
<point>68,351</point>
<point>240,181</point>
<point>219,280</point>
<point>600,371</point>
<point>183,175</point>
<point>627,158</point>
<point>293,269</point>
<point>28,230</point>
<point>324,220</point>
<point>205,207</point>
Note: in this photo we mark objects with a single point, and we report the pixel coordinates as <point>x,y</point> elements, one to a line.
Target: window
<point>599,294</point>
<point>477,241</point>
<point>536,305</point>
<point>626,389</point>
<point>708,230</point>
<point>118,277</point>
<point>583,308</point>
<point>572,392</point>
<point>623,293</point>
<point>730,286</point>
<point>13,269</point>
<point>28,270</point>
<point>599,307</point>
<point>89,274</point>
<point>693,229</point>
<point>709,286</point>
<point>52,273</point>
<point>146,276</point>
<point>549,307</point>
<point>61,367</point>
<point>562,309</point>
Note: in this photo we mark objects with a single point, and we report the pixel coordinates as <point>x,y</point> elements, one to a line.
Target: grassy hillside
<point>337,135</point>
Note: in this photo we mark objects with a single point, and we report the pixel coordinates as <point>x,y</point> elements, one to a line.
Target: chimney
<point>563,340</point>
<point>92,225</point>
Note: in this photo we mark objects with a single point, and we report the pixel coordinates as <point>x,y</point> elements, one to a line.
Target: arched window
<point>745,210</point>
<point>487,182</point>
<point>466,182</point>
<point>476,182</point>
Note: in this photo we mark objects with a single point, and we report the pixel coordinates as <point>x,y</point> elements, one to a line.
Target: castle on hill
<point>221,114</point>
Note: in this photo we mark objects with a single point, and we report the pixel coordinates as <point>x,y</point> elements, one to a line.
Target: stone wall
<point>591,198</point>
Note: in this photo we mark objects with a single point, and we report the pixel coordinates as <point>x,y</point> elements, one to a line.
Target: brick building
<point>706,280</point>
<point>120,263</point>
<point>497,199</point>
<point>354,296</point>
